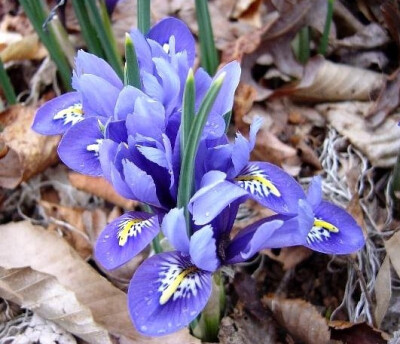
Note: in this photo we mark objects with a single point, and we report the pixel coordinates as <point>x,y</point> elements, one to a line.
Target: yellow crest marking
<point>271,187</point>
<point>169,292</point>
<point>127,229</point>
<point>326,225</point>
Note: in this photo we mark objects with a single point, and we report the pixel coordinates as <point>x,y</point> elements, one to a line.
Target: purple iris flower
<point>170,289</point>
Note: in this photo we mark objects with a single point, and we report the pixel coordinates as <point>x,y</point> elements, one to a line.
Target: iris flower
<point>170,289</point>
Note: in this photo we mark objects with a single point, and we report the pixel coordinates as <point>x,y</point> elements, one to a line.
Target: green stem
<point>209,56</point>
<point>103,29</point>
<point>7,86</point>
<point>143,15</point>
<point>87,29</point>
<point>327,28</point>
<point>37,16</point>
<point>395,187</point>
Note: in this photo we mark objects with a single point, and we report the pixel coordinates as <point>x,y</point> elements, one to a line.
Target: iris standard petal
<point>98,96</point>
<point>125,237</point>
<point>271,186</point>
<point>224,101</point>
<point>59,114</point>
<point>79,147</point>
<point>86,63</point>
<point>166,293</point>
<point>126,101</point>
<point>141,184</point>
<point>184,41</point>
<point>174,228</point>
<point>314,192</point>
<point>334,231</point>
<point>203,249</point>
<point>142,50</point>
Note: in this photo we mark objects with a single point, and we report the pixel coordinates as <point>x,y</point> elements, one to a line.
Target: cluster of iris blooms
<point>132,137</point>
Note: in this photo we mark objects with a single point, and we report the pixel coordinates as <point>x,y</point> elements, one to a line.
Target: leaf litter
<point>335,116</point>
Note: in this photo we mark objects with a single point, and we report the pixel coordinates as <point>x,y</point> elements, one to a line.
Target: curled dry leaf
<point>300,318</point>
<point>328,81</point>
<point>351,333</point>
<point>381,145</point>
<point>101,188</point>
<point>67,291</point>
<point>25,152</point>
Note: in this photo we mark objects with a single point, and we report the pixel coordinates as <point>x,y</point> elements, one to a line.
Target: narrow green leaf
<point>143,15</point>
<point>323,45</point>
<point>7,86</point>
<point>102,24</point>
<point>186,178</point>
<point>208,52</point>
<point>88,31</point>
<point>35,11</point>
<point>304,44</point>
<point>131,72</point>
<point>189,97</point>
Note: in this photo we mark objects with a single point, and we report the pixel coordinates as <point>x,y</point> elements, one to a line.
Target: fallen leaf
<point>324,80</point>
<point>383,291</point>
<point>350,333</point>
<point>101,188</point>
<point>289,257</point>
<point>300,318</point>
<point>249,11</point>
<point>387,101</point>
<point>381,145</point>
<point>28,48</point>
<point>370,36</point>
<point>392,248</point>
<point>27,153</point>
<point>73,230</point>
<point>24,261</point>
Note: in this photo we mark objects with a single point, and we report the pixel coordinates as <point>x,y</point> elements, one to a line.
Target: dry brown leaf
<point>28,48</point>
<point>392,248</point>
<point>75,235</point>
<point>27,153</point>
<point>100,187</point>
<point>370,36</point>
<point>324,80</point>
<point>351,333</point>
<point>31,248</point>
<point>300,318</point>
<point>381,145</point>
<point>387,101</point>
<point>289,257</point>
<point>383,291</point>
<point>249,11</point>
<point>43,294</point>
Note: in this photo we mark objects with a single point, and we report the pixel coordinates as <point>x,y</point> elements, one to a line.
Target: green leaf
<point>131,72</point>
<point>188,110</point>
<point>102,24</point>
<point>208,52</point>
<point>327,28</point>
<point>186,178</point>
<point>143,13</point>
<point>7,86</point>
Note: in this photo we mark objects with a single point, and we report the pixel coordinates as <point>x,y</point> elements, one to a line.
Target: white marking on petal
<point>255,181</point>
<point>95,147</point>
<point>166,47</point>
<point>71,115</point>
<point>131,227</point>
<point>321,231</point>
<point>178,281</point>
